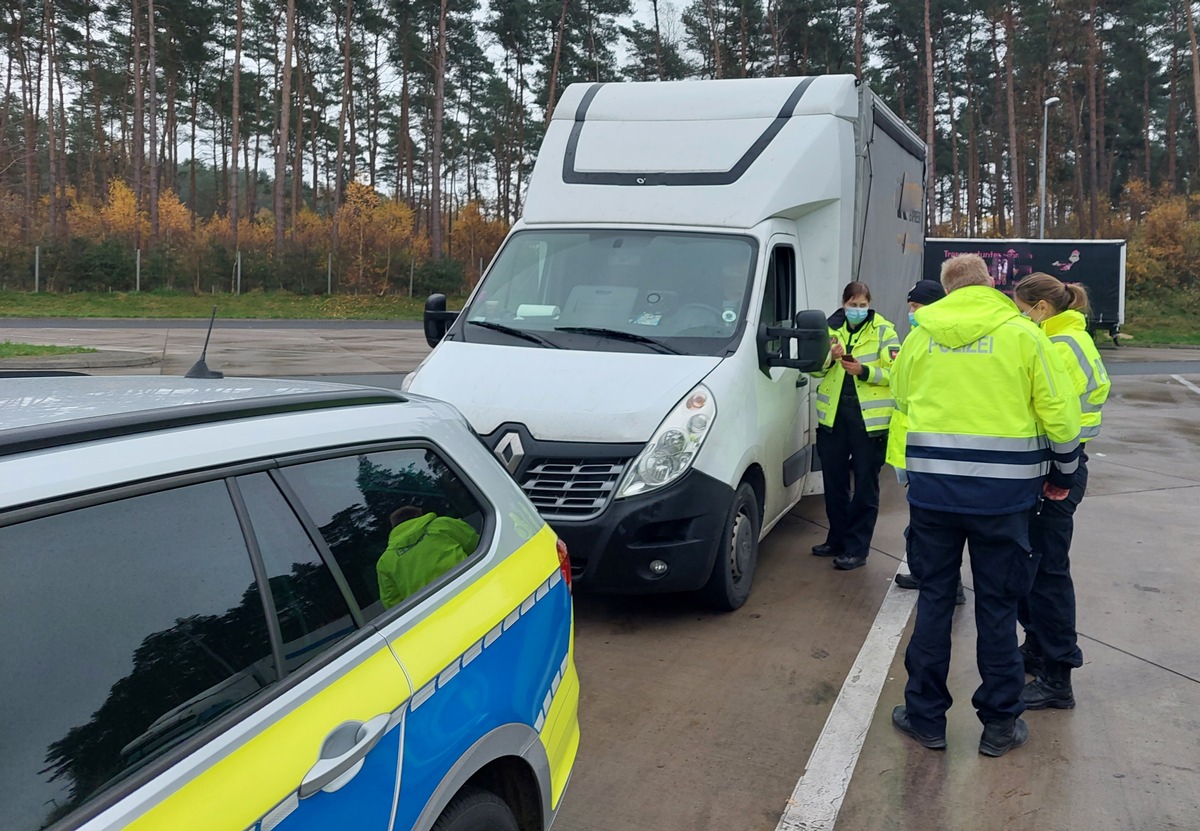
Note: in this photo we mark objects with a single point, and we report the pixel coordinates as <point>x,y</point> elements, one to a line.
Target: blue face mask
<point>856,316</point>
<point>912,320</point>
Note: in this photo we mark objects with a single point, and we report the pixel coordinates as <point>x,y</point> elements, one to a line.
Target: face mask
<point>856,316</point>
<point>912,320</point>
<point>1028,315</point>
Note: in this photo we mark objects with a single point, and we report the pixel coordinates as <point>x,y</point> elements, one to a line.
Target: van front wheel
<point>733,571</point>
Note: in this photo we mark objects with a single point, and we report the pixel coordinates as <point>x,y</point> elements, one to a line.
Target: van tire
<point>737,558</point>
<point>475,809</point>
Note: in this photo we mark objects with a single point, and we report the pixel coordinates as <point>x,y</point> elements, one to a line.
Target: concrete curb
<point>101,359</point>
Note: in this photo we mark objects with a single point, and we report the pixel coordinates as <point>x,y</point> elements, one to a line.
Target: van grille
<point>572,488</point>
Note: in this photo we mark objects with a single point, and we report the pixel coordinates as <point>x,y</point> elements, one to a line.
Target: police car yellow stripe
<point>472,615</point>
<point>256,776</point>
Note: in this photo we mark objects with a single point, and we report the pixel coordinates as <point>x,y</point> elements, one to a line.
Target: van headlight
<point>674,446</point>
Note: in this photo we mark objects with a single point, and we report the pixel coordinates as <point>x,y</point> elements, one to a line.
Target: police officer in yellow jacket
<point>854,409</point>
<point>1051,648</point>
<point>993,424</point>
<point>920,295</point>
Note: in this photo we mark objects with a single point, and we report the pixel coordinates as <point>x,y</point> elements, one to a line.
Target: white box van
<point>634,353</point>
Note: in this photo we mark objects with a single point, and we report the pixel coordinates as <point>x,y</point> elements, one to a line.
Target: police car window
<point>395,521</point>
<point>131,625</point>
<point>312,611</point>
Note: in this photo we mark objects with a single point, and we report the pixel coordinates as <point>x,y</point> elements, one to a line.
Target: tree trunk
<point>152,78</point>
<point>858,35</point>
<point>237,122</point>
<point>52,147</point>
<point>192,173</point>
<point>1014,156</point>
<point>1080,154</point>
<point>30,124</point>
<point>1173,101</point>
<point>99,173</point>
<point>339,175</point>
<point>301,94</point>
<point>658,63</point>
<point>1146,121</point>
<point>999,219</point>
<point>139,115</point>
<point>931,212</point>
<point>285,121</point>
<point>973,178</point>
<point>1095,144</point>
<point>435,152</point>
<point>955,208</point>
<point>558,39</point>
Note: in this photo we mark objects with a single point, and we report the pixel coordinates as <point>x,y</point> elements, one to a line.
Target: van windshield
<point>621,291</point>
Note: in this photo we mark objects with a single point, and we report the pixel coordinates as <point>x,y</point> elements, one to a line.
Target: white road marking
<point>1187,383</point>
<point>818,796</point>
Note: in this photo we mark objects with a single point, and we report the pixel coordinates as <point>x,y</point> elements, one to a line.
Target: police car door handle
<point>343,753</point>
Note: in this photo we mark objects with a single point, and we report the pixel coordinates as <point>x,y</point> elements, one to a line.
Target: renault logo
<point>510,452</point>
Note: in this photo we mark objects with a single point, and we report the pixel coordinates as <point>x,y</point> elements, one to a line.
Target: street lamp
<point>1049,102</point>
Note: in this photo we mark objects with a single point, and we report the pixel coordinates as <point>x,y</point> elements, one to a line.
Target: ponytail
<point>1039,286</point>
<point>1079,297</point>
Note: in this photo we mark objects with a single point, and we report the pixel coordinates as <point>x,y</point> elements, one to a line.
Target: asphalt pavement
<point>777,716</point>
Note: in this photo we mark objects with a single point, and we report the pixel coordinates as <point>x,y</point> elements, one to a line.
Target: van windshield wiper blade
<point>516,333</point>
<point>617,334</point>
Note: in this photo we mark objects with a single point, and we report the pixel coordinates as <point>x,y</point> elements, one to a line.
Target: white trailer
<point>635,353</point>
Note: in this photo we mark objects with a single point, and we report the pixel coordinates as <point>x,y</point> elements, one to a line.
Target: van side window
<point>395,521</point>
<point>312,611</point>
<point>779,300</point>
<point>133,624</point>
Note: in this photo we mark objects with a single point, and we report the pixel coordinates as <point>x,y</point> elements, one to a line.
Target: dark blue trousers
<point>845,449</point>
<point>1048,613</point>
<point>1002,565</point>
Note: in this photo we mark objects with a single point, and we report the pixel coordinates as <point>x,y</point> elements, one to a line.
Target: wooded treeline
<point>393,134</point>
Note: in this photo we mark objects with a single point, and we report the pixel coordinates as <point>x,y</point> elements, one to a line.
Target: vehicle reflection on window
<point>352,500</point>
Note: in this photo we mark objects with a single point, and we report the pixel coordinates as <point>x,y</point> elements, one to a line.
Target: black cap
<point>926,292</point>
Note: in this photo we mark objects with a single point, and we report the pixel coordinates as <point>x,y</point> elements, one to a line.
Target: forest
<point>366,146</point>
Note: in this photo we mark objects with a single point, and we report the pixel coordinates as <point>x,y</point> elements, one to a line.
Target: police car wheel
<point>477,810</point>
<point>733,571</point>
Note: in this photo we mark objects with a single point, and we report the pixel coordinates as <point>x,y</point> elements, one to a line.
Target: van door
<point>783,393</point>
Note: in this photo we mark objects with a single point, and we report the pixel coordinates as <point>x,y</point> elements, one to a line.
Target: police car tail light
<point>674,446</point>
<point>564,563</point>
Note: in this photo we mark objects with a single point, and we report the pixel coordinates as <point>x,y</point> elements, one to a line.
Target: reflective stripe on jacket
<point>874,345</point>
<point>1068,331</point>
<point>990,407</point>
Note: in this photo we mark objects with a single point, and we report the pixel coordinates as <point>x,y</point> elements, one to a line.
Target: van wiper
<point>617,334</point>
<point>516,333</point>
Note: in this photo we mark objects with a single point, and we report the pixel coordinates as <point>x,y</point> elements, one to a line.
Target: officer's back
<point>993,423</point>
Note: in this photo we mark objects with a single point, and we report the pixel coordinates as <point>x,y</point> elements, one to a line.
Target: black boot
<point>999,737</point>
<point>906,581</point>
<point>1052,690</point>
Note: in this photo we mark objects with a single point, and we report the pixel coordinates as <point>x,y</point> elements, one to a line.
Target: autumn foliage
<point>376,244</point>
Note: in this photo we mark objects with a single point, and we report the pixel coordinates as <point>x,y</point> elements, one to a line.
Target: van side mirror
<point>437,319</point>
<point>809,331</point>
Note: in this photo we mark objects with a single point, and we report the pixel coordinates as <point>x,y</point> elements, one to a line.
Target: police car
<point>252,604</point>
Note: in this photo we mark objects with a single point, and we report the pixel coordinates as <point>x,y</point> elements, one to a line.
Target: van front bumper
<point>682,525</point>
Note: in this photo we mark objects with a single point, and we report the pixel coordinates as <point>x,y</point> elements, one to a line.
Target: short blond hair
<point>965,270</point>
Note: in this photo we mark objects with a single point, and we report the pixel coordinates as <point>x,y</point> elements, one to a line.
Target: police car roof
<point>55,411</point>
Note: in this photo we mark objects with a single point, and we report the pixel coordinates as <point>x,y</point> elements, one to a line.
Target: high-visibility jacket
<point>418,552</point>
<point>1068,331</point>
<point>991,409</point>
<point>874,344</point>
